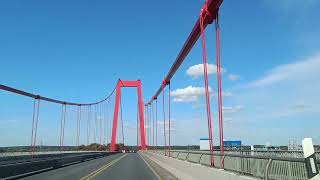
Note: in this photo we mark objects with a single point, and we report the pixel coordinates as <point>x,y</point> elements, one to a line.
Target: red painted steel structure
<point>213,8</point>
<point>120,84</point>
<point>209,13</point>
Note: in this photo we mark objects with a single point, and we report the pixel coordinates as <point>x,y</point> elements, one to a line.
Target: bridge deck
<point>119,166</point>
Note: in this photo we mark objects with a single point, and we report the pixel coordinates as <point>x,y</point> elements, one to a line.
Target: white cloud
<point>227,119</point>
<point>189,94</point>
<point>197,70</point>
<point>192,94</point>
<point>297,70</point>
<point>232,109</point>
<point>8,122</point>
<point>227,94</point>
<point>233,77</point>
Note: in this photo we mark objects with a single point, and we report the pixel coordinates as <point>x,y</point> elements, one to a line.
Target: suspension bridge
<point>148,159</point>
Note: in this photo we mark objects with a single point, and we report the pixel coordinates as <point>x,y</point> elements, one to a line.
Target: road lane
<point>131,167</point>
<point>76,171</point>
<point>128,166</point>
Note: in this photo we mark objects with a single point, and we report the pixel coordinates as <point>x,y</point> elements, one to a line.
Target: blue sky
<point>76,50</point>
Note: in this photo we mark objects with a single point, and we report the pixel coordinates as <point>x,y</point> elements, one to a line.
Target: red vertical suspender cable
<point>64,124</point>
<point>88,125</point>
<point>204,12</point>
<point>35,115</point>
<point>148,124</point>
<point>32,129</point>
<point>61,121</point>
<point>148,128</point>
<point>109,118</point>
<point>219,91</point>
<point>63,118</point>
<point>103,114</point>
<point>77,130</point>
<point>169,117</point>
<point>95,124</point>
<point>152,125</point>
<point>36,124</point>
<point>105,124</point>
<point>156,124</point>
<point>145,122</point>
<point>137,128</point>
<point>100,127</point>
<point>121,118</point>
<point>164,119</point>
<point>78,127</point>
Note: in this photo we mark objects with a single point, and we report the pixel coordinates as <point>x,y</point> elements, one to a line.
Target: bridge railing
<point>264,167</point>
<point>272,153</point>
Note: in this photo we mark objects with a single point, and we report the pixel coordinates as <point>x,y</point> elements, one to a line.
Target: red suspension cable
<point>100,126</point>
<point>137,128</point>
<point>108,122</point>
<point>169,99</point>
<point>164,120</point>
<point>145,122</point>
<point>95,124</point>
<point>88,125</point>
<point>121,119</point>
<point>105,123</point>
<point>219,91</point>
<point>147,129</point>
<point>61,121</point>
<point>78,127</point>
<point>156,124</point>
<point>148,126</point>
<point>204,12</point>
<point>62,125</point>
<point>35,116</point>
<point>152,124</point>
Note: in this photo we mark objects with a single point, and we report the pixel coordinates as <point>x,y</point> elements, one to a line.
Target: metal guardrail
<point>38,163</point>
<point>273,153</point>
<point>25,156</point>
<point>263,167</point>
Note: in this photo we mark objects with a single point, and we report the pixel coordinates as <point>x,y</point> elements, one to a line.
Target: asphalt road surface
<point>128,166</point>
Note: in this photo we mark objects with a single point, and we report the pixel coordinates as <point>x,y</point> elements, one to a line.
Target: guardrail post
<point>310,159</point>
<point>187,156</point>
<point>266,172</point>
<point>222,161</point>
<point>200,158</point>
<point>178,155</point>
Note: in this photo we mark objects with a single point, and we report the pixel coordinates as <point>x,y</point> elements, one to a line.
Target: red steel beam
<point>213,8</point>
<point>35,96</point>
<point>121,84</point>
